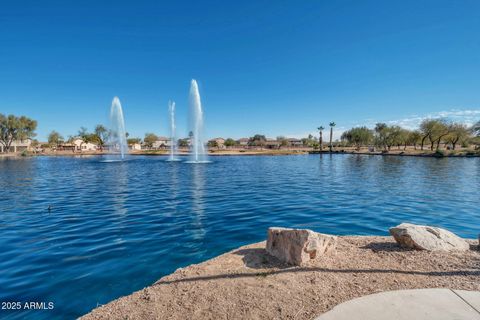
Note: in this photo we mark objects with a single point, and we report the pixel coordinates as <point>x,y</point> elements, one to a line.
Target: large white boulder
<point>427,238</point>
<point>297,246</point>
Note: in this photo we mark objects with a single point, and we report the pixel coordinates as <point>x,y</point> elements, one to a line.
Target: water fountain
<point>198,154</point>
<point>173,140</point>
<point>118,135</point>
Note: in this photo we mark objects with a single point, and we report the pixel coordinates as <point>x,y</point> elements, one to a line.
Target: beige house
<point>293,142</point>
<point>135,146</point>
<point>17,146</point>
<point>219,141</point>
<point>243,142</point>
<point>162,143</point>
<point>80,145</point>
<point>272,144</point>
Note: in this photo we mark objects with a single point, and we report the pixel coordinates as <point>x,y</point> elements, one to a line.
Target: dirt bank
<point>246,283</point>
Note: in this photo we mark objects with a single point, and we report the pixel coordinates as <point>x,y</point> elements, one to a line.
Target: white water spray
<point>118,135</point>
<point>173,140</point>
<point>196,124</point>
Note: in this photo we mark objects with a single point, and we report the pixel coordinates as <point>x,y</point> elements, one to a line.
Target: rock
<point>297,246</point>
<point>427,238</point>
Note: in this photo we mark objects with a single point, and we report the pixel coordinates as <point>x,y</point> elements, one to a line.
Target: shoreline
<point>403,154</point>
<point>248,283</point>
<point>220,153</point>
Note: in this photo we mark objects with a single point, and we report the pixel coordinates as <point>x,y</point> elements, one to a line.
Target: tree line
<point>99,136</point>
<point>431,133</point>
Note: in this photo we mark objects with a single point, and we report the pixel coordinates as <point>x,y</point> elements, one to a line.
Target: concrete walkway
<point>425,304</point>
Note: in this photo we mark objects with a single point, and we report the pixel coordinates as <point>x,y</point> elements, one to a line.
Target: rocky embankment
<point>304,274</point>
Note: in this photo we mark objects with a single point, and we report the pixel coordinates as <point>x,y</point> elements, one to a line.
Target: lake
<point>114,228</point>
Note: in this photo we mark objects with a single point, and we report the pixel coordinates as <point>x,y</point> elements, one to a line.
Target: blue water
<point>117,227</point>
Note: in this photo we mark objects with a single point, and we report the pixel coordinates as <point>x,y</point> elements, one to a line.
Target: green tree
<point>283,141</point>
<point>388,136</point>
<point>257,140</point>
<point>83,134</point>
<point>15,128</point>
<point>150,139</point>
<point>230,142</point>
<point>392,137</point>
<point>131,141</point>
<point>309,141</point>
<point>457,133</point>
<point>381,132</point>
<point>358,137</point>
<point>414,138</point>
<point>331,124</point>
<point>440,129</point>
<point>54,138</point>
<point>426,128</point>
<point>182,143</point>
<point>102,135</point>
<point>402,138</point>
<point>320,136</point>
<point>435,131</point>
<point>212,144</point>
<point>86,136</point>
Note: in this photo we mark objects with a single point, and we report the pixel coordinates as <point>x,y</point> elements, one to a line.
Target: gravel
<point>247,283</point>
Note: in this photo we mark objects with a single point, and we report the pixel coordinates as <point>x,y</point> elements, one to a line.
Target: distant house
<point>78,145</point>
<point>161,143</point>
<point>81,145</point>
<point>66,146</point>
<point>293,142</point>
<point>220,142</point>
<point>243,142</point>
<point>135,146</point>
<point>18,146</point>
<point>272,144</point>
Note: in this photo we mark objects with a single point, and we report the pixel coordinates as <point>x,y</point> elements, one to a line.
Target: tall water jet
<point>118,135</point>
<point>196,124</point>
<point>173,140</point>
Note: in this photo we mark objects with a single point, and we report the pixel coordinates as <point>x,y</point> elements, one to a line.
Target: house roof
<point>272,142</point>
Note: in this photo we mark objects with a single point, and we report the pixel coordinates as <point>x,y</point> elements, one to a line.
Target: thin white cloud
<point>468,117</point>
<point>337,133</point>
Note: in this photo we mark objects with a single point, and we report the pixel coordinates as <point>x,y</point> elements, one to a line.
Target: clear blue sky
<point>272,67</point>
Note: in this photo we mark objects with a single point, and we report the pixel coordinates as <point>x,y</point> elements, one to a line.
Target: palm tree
<point>320,139</point>
<point>84,136</point>
<point>332,124</point>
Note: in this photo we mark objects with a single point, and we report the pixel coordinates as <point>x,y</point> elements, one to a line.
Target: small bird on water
<point>49,208</point>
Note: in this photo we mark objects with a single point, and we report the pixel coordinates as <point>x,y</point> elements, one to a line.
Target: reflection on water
<point>143,218</point>
<point>198,208</point>
<point>174,200</point>
<point>119,190</point>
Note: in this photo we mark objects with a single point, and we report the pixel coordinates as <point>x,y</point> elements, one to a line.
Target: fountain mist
<point>118,135</point>
<point>173,140</point>
<point>196,118</point>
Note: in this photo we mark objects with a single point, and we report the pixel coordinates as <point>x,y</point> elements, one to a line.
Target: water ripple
<point>117,227</point>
